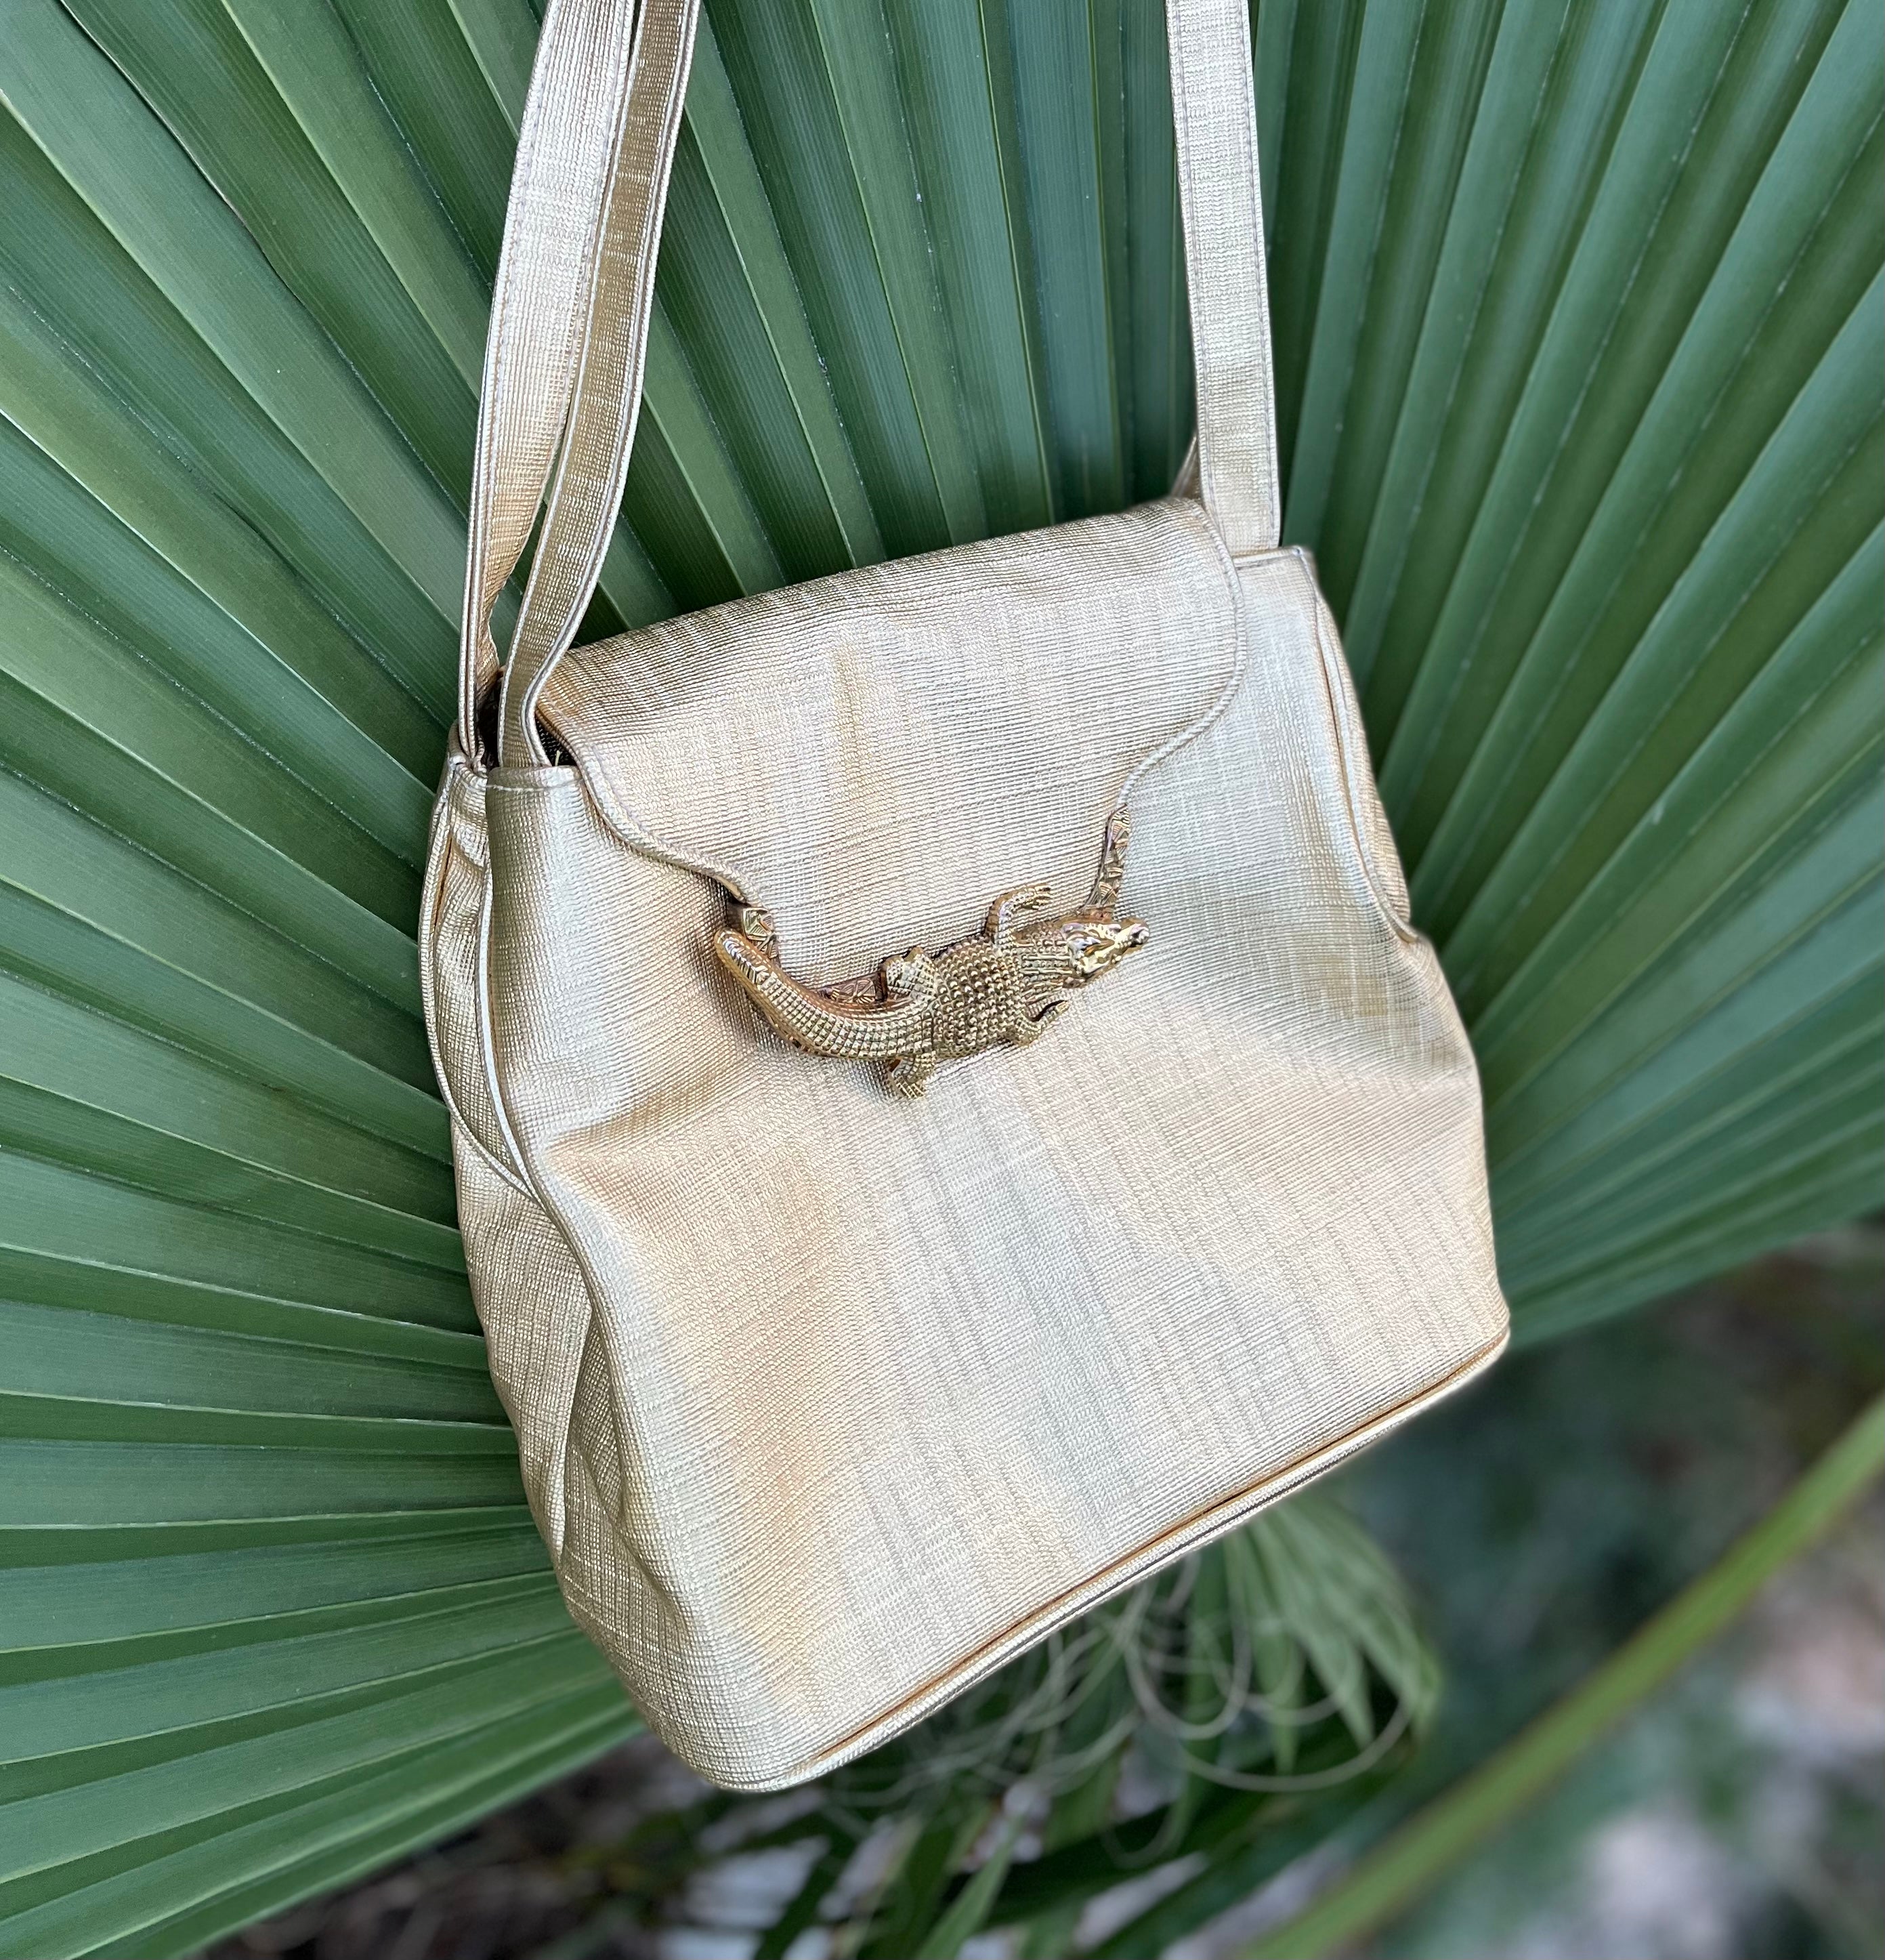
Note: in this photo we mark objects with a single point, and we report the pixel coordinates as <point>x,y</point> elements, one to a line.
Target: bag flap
<point>874,756</point>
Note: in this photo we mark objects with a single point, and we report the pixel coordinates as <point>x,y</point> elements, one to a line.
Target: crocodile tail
<point>815,1022</point>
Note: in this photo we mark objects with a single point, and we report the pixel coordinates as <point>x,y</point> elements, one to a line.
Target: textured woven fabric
<point>829,1401</point>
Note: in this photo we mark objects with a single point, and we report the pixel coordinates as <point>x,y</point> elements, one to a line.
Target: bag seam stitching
<point>1346,743</point>
<point>1121,1574</point>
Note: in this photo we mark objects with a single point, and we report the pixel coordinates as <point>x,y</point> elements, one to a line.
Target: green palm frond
<point>1578,320</point>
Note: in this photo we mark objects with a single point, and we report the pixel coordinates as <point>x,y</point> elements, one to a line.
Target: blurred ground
<point>1541,1518</point>
<point>1741,1815</point>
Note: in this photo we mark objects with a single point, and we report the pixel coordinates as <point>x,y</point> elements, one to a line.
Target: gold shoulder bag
<point>950,1111</point>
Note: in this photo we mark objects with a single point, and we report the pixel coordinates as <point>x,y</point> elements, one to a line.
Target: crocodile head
<point>1075,950</point>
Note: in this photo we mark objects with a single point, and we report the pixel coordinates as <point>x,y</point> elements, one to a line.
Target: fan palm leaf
<point>1579,325</point>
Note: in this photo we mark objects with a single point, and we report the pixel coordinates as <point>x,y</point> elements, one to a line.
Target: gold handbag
<point>1119,1182</point>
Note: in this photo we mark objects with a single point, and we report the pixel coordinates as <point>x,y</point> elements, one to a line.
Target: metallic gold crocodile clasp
<point>1007,984</point>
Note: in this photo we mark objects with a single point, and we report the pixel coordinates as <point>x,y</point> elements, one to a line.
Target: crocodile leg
<point>1105,899</point>
<point>904,974</point>
<point>1003,921</point>
<point>909,1074</point>
<point>1031,1027</point>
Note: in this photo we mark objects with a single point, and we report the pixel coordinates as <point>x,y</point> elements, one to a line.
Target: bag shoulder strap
<point>1214,112</point>
<point>575,289</point>
<point>568,336</point>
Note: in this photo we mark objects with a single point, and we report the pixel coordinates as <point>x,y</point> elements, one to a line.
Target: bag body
<point>829,1399</point>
